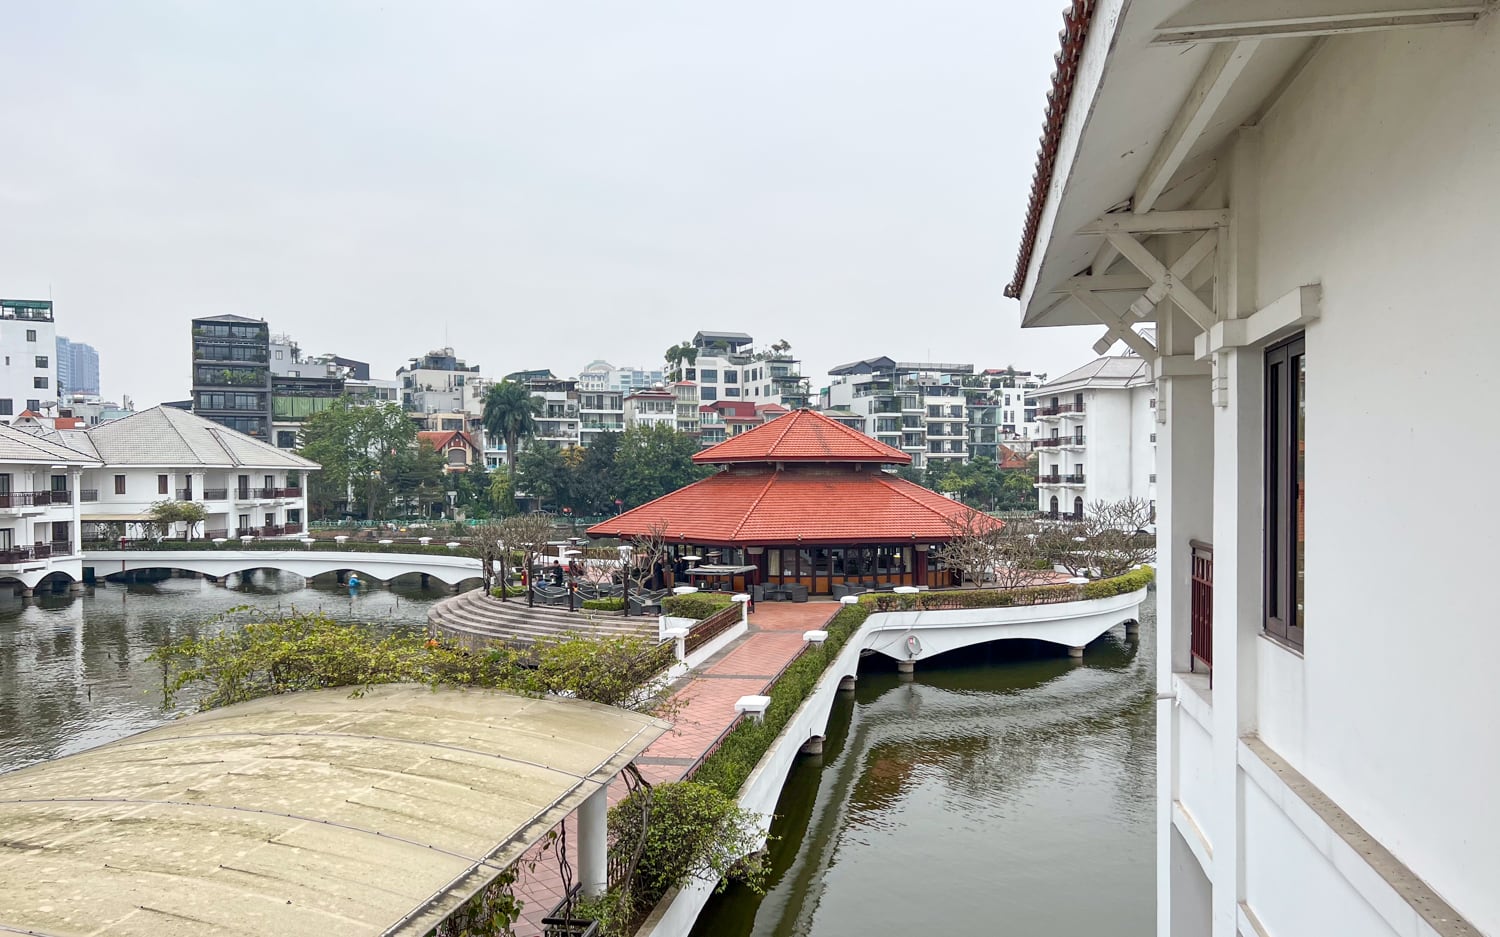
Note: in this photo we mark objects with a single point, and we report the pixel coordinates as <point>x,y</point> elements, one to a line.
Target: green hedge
<point>996,598</point>
<point>510,591</point>
<point>1120,585</point>
<point>604,605</point>
<point>728,768</point>
<point>695,605</point>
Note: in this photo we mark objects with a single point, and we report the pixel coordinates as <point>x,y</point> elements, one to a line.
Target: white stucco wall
<point>1378,180</point>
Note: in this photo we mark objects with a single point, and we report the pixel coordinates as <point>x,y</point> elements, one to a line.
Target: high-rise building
<point>232,374</point>
<point>28,344</point>
<point>77,367</point>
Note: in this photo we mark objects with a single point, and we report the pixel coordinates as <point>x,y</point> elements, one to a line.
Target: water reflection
<point>73,669</point>
<point>1005,793</point>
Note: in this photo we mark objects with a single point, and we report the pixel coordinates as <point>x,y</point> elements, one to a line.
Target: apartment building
<point>917,407</point>
<point>437,383</point>
<point>232,373</point>
<point>726,366</point>
<point>655,406</point>
<point>601,375</point>
<point>1302,199</point>
<point>1098,436</point>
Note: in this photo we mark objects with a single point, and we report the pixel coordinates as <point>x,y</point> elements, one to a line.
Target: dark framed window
<point>7,406</point>
<point>39,383</point>
<point>1286,452</point>
<point>162,484</point>
<point>119,484</point>
<point>41,361</point>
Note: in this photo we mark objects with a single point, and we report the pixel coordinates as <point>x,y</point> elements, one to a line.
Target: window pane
<point>1301,456</point>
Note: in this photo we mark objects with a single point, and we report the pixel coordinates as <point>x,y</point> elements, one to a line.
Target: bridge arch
<point>383,567</point>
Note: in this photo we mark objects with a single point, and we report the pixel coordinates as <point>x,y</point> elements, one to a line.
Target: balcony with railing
<point>216,494</point>
<point>1201,608</point>
<point>88,494</point>
<point>26,499</point>
<point>14,556</point>
<point>1074,441</point>
<point>1051,442</point>
<point>1049,479</point>
<point>273,530</point>
<point>287,492</point>
<point>292,527</point>
<point>1072,479</point>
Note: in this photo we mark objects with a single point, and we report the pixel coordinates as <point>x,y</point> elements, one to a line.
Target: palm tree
<point>510,413</point>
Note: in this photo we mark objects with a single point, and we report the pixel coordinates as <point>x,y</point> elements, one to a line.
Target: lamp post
<point>625,550</point>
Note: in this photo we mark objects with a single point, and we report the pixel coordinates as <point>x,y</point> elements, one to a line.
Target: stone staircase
<point>475,620</point>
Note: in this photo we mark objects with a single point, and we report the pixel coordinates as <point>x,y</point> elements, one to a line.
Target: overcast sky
<point>536,184</point>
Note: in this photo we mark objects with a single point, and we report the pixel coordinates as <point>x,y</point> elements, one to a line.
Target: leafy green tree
<point>653,461</point>
<point>414,476</point>
<point>356,444</point>
<point>510,413</point>
<point>543,472</point>
<point>502,495</point>
<point>167,514</point>
<point>1017,490</point>
<point>596,481</point>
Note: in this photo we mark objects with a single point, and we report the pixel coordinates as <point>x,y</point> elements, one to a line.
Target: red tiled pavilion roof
<point>836,505</point>
<point>802,436</point>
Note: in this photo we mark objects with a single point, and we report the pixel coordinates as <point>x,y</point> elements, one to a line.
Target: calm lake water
<point>73,669</point>
<point>1006,792</point>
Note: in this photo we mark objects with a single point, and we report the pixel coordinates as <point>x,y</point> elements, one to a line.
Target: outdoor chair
<point>550,595</point>
<point>798,592</point>
<point>757,593</point>
<point>641,603</point>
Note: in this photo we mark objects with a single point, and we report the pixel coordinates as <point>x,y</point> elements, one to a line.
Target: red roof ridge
<point>1076,22</point>
<point>803,435</point>
<point>770,480</point>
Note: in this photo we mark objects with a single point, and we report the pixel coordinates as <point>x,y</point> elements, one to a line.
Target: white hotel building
<point>247,487</point>
<point>1300,196</point>
<point>1097,439</point>
<point>39,495</point>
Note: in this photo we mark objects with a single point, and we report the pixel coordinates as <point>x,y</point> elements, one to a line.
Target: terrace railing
<point>1201,608</point>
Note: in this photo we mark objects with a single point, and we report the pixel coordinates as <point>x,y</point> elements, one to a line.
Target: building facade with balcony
<point>726,366</point>
<point>917,407</point>
<point>232,373</point>
<point>28,343</point>
<point>247,487</point>
<point>656,406</point>
<point>1302,200</point>
<point>1097,440</point>
<point>40,536</point>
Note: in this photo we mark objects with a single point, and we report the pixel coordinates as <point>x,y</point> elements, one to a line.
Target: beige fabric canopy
<point>317,813</point>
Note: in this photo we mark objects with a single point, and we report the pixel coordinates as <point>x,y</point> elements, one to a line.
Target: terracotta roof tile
<point>802,436</point>
<point>817,504</point>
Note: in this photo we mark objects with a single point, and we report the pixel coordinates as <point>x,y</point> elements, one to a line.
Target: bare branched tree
<point>487,540</point>
<point>527,534</point>
<point>972,549</point>
<point>1111,538</point>
<point>647,550</point>
<point>1023,557</point>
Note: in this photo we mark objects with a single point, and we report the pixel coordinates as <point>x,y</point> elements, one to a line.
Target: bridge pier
<point>27,592</point>
<point>456,588</point>
<point>342,576</point>
<point>846,684</point>
<point>813,746</point>
<point>425,582</point>
<point>907,669</point>
<point>75,588</point>
<point>1076,652</point>
<point>1132,628</point>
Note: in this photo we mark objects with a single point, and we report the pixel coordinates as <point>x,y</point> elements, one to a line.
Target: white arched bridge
<point>369,565</point>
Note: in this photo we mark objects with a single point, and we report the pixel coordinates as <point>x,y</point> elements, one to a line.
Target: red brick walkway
<point>745,668</point>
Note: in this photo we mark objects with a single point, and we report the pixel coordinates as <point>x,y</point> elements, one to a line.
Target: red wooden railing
<point>1202,608</point>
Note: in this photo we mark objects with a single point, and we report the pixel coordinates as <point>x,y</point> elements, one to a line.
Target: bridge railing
<point>235,544</point>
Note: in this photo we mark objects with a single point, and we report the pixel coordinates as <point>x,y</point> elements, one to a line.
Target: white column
<point>75,479</point>
<point>1238,523</point>
<point>1184,512</point>
<point>593,843</point>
